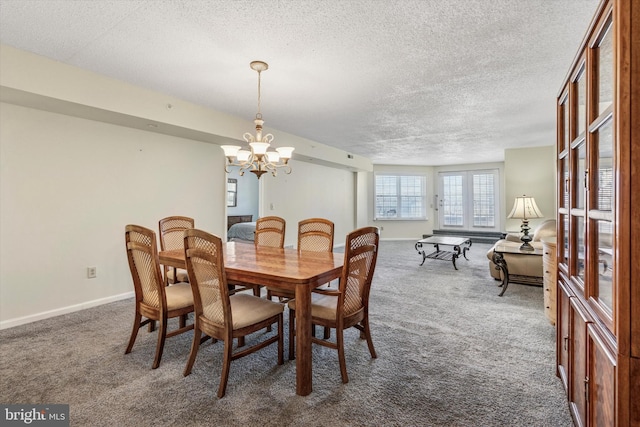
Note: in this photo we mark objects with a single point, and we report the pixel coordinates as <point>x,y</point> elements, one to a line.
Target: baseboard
<point>6,324</point>
<point>398,239</point>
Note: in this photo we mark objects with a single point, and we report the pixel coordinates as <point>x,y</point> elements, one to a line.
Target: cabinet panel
<point>601,379</point>
<point>563,340</point>
<point>578,362</point>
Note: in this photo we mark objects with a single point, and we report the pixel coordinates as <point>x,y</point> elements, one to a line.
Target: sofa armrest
<point>513,237</point>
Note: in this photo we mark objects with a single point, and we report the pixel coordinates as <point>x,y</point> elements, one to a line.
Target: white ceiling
<point>414,82</point>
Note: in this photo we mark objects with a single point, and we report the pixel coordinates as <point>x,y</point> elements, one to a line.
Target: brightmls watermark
<point>34,415</point>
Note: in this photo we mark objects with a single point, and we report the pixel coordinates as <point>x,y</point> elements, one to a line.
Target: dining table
<point>287,268</point>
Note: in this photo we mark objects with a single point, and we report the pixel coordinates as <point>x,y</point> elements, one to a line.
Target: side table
<point>501,264</point>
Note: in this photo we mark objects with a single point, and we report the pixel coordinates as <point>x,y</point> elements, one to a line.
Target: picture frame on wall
<point>232,192</point>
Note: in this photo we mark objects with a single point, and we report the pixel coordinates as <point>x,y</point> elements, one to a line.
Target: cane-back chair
<point>172,237</point>
<point>220,315</point>
<point>154,300</point>
<point>270,232</point>
<point>348,306</point>
<point>314,235</point>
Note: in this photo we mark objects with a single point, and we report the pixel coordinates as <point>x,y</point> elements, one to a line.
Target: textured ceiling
<point>427,82</point>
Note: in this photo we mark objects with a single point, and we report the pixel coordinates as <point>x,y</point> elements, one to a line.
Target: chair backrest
<point>270,232</point>
<point>315,234</point>
<point>172,231</point>
<point>546,229</point>
<point>361,253</point>
<point>142,252</point>
<point>205,266</point>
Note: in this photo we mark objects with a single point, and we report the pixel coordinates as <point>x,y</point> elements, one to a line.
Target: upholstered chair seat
<point>179,296</point>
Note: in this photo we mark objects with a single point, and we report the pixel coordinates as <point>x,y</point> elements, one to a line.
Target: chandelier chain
<point>259,114</point>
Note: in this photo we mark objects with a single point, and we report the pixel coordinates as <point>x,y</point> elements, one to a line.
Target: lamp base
<point>526,246</point>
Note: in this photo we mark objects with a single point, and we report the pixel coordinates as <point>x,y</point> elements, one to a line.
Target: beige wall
<point>311,191</point>
<point>79,162</point>
<point>530,171</point>
<point>68,186</point>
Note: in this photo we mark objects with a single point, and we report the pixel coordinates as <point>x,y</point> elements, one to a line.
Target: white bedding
<point>242,231</point>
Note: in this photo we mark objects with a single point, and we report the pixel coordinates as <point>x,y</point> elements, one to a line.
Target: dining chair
<point>172,237</point>
<point>348,306</point>
<point>217,313</point>
<point>314,235</point>
<point>154,300</point>
<point>270,232</point>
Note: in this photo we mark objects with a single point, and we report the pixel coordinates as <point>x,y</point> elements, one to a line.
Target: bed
<point>241,231</point>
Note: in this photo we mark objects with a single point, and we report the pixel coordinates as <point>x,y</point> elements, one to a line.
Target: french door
<point>469,200</point>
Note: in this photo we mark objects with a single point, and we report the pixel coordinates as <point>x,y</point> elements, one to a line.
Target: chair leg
<point>152,325</point>
<point>367,333</point>
<point>280,339</point>
<point>256,290</point>
<point>343,364</point>
<point>240,342</point>
<point>327,332</point>
<point>195,346</point>
<point>226,363</point>
<point>162,335</point>
<point>292,334</point>
<point>134,332</point>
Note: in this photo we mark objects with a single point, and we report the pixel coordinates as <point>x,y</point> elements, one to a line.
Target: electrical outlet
<point>91,273</point>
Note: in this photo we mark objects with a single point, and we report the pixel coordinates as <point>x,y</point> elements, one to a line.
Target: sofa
<point>523,265</point>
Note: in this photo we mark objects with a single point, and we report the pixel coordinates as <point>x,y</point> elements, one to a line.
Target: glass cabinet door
<point>602,216</point>
<point>604,58</point>
<point>581,103</point>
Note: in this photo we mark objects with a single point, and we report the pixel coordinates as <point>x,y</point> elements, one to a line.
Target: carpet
<point>450,353</point>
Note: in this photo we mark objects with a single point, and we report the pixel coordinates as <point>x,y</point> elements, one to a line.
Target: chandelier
<point>257,158</point>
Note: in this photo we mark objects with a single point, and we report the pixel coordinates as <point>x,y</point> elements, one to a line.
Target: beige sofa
<point>523,265</point>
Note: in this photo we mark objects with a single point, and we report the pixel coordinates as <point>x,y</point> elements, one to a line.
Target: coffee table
<point>460,245</point>
<point>501,264</point>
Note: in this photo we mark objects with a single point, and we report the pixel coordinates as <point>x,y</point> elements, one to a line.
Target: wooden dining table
<point>286,268</point>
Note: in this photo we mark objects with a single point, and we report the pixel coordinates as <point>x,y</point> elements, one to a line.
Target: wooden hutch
<point>598,246</point>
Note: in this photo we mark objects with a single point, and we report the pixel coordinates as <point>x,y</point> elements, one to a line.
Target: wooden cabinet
<point>549,275</point>
<point>598,184</point>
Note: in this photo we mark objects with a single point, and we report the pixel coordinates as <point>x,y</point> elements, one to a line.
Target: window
<point>468,200</point>
<point>400,197</point>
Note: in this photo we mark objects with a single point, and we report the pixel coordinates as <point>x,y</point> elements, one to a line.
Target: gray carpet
<point>450,353</point>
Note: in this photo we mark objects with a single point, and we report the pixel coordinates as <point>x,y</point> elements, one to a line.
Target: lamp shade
<point>525,208</point>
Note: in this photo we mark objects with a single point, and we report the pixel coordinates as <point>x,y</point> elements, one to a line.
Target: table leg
<point>465,248</point>
<point>421,251</point>
<point>455,255</point>
<point>501,265</point>
<point>303,340</point>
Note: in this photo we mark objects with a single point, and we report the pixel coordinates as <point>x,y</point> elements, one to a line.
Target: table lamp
<point>525,208</point>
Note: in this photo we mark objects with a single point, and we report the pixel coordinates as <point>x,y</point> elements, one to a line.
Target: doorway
<point>469,200</point>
